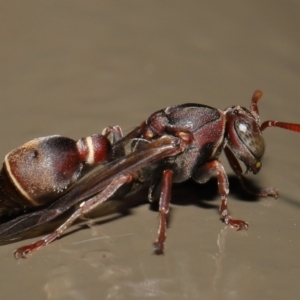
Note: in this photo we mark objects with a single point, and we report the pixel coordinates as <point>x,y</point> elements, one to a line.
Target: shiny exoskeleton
<point>46,168</point>
<point>175,144</point>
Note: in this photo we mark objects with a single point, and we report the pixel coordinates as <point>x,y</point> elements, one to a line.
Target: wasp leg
<point>84,208</point>
<point>164,202</point>
<point>203,174</point>
<point>264,192</point>
<point>115,132</point>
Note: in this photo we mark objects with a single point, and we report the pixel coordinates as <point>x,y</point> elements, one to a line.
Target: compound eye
<point>250,136</point>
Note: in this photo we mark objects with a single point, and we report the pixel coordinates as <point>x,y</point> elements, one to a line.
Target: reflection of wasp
<point>45,177</point>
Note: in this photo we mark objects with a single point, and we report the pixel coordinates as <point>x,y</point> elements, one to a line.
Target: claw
<point>159,248</point>
<point>238,224</point>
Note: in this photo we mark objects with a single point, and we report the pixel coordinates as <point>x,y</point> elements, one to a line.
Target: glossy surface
<point>73,68</point>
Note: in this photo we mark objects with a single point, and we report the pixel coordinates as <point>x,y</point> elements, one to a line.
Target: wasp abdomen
<point>43,169</point>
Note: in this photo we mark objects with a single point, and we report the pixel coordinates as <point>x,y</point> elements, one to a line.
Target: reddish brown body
<point>198,123</point>
<point>44,169</point>
<point>172,145</point>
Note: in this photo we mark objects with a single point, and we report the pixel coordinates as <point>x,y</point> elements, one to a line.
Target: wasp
<point>47,176</point>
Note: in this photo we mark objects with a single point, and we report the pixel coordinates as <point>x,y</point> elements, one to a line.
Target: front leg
<point>203,174</point>
<point>234,163</point>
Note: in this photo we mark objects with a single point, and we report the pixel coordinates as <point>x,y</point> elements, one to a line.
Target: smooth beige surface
<point>75,67</point>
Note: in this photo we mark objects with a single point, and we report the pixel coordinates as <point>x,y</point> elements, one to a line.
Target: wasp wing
<point>91,184</point>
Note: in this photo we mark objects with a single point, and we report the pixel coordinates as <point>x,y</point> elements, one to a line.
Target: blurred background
<point>75,67</point>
